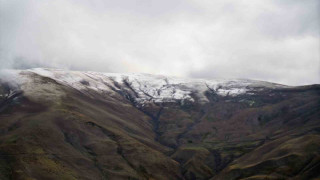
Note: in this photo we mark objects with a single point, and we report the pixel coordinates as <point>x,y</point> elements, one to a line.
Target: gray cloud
<point>268,40</point>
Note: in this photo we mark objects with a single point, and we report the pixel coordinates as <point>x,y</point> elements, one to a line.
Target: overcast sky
<point>272,40</point>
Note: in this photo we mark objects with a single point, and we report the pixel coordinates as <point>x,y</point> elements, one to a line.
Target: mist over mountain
<point>268,40</point>
<point>159,90</point>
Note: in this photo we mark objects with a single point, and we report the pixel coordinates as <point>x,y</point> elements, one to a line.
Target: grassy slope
<point>76,137</point>
<point>59,133</point>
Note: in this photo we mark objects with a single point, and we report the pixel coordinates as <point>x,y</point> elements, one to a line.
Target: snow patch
<point>152,88</point>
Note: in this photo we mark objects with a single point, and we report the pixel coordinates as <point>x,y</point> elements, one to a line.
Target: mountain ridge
<point>148,85</point>
<point>86,125</point>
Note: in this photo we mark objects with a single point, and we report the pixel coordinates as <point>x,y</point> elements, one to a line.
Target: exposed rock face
<point>57,124</point>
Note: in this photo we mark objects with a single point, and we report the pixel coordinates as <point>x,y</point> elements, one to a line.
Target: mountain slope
<point>57,124</point>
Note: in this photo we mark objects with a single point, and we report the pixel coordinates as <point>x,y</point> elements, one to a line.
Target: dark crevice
<point>131,97</point>
<point>95,160</point>
<point>145,93</point>
<point>7,101</point>
<point>210,89</point>
<point>114,138</point>
<point>156,124</point>
<point>85,150</point>
<point>190,126</point>
<point>129,86</point>
<point>217,160</point>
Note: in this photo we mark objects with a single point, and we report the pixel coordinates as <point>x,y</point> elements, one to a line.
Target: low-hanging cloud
<point>273,40</point>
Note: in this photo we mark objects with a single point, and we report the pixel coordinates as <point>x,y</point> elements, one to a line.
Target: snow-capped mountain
<point>59,124</point>
<point>146,87</point>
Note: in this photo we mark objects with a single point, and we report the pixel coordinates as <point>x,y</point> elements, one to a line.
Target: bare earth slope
<point>57,124</point>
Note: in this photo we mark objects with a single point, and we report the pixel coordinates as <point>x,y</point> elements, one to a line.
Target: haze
<point>271,40</point>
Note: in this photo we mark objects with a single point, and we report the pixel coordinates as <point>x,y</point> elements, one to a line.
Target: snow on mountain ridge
<point>151,88</point>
